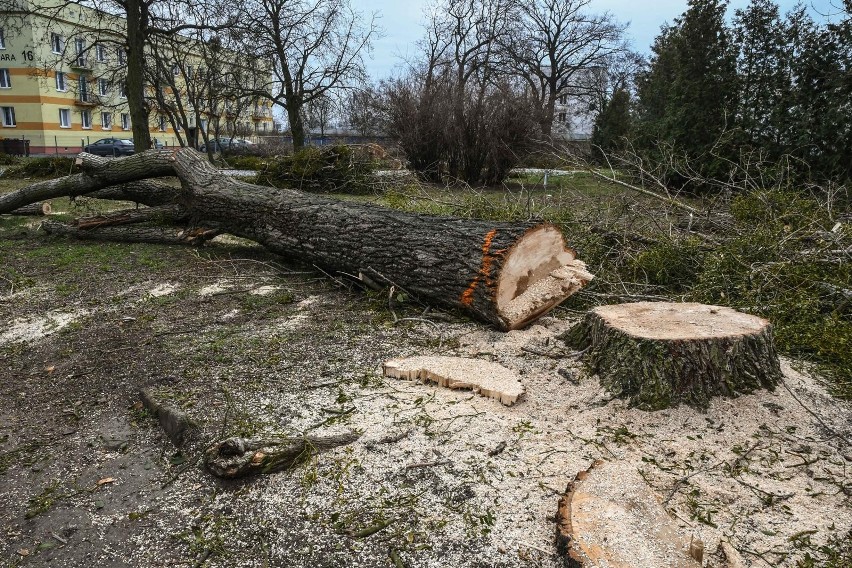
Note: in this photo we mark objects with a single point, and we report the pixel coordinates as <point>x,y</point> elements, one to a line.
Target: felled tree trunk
<point>507,274</point>
<point>659,354</point>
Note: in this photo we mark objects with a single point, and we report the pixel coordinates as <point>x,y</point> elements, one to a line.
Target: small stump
<point>659,354</point>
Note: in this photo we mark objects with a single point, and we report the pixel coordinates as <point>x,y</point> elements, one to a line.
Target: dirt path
<point>438,478</point>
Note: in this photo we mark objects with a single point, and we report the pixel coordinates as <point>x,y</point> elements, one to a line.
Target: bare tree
<point>460,112</point>
<point>556,46</point>
<point>361,109</point>
<point>203,88</point>
<point>319,112</point>
<point>315,46</point>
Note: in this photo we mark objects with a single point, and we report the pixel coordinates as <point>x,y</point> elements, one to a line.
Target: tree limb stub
<point>506,274</point>
<point>239,457</point>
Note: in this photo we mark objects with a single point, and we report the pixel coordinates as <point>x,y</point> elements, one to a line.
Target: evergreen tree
<point>687,97</point>
<point>763,72</point>
<point>612,125</point>
<point>822,97</point>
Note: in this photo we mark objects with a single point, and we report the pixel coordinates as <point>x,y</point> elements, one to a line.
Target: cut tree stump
<point>608,516</point>
<point>507,274</point>
<point>488,379</point>
<point>659,354</point>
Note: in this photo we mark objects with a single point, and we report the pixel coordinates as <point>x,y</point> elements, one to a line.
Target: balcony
<point>260,114</point>
<point>87,100</point>
<point>81,63</point>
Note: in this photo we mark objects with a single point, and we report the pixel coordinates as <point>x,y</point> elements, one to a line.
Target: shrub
<point>244,162</point>
<point>673,264</point>
<point>41,167</point>
<point>330,169</point>
<point>7,160</point>
<point>773,265</point>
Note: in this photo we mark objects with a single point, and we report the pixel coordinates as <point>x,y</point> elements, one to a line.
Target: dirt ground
<point>247,344</point>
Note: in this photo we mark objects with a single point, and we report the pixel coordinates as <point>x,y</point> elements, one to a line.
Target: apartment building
<point>61,84</point>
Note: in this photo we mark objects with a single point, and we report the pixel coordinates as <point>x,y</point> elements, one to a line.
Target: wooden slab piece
<point>610,517</point>
<point>483,377</point>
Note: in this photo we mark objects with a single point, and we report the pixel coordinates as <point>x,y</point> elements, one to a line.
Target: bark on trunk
<point>297,126</point>
<point>143,192</point>
<point>660,354</point>
<point>137,30</point>
<point>507,274</point>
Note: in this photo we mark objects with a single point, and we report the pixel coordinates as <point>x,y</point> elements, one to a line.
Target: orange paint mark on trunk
<point>487,259</point>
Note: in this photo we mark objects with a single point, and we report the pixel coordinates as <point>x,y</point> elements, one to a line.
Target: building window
<point>162,123</point>
<point>264,126</point>
<point>5,80</point>
<point>175,70</point>
<point>65,118</point>
<point>563,99</point>
<point>190,71</point>
<point>2,39</point>
<point>56,43</point>
<point>61,85</point>
<point>86,119</point>
<point>101,53</point>
<point>103,87</point>
<point>204,124</point>
<point>122,90</point>
<point>8,116</point>
<point>80,46</point>
<point>106,120</point>
<point>563,117</point>
<point>125,121</point>
<point>84,90</point>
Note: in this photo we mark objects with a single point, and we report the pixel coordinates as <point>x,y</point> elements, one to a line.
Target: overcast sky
<point>402,22</point>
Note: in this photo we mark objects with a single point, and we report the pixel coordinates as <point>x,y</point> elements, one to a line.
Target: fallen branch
<point>38,208</point>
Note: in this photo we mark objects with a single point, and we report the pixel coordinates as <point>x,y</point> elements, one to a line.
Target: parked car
<point>226,144</point>
<point>111,147</point>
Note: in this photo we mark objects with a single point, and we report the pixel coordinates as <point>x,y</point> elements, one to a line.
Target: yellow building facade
<point>61,84</point>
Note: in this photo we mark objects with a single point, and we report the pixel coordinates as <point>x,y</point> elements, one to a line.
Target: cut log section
<point>37,208</point>
<point>507,274</point>
<point>609,517</point>
<point>659,354</point>
<point>488,379</point>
